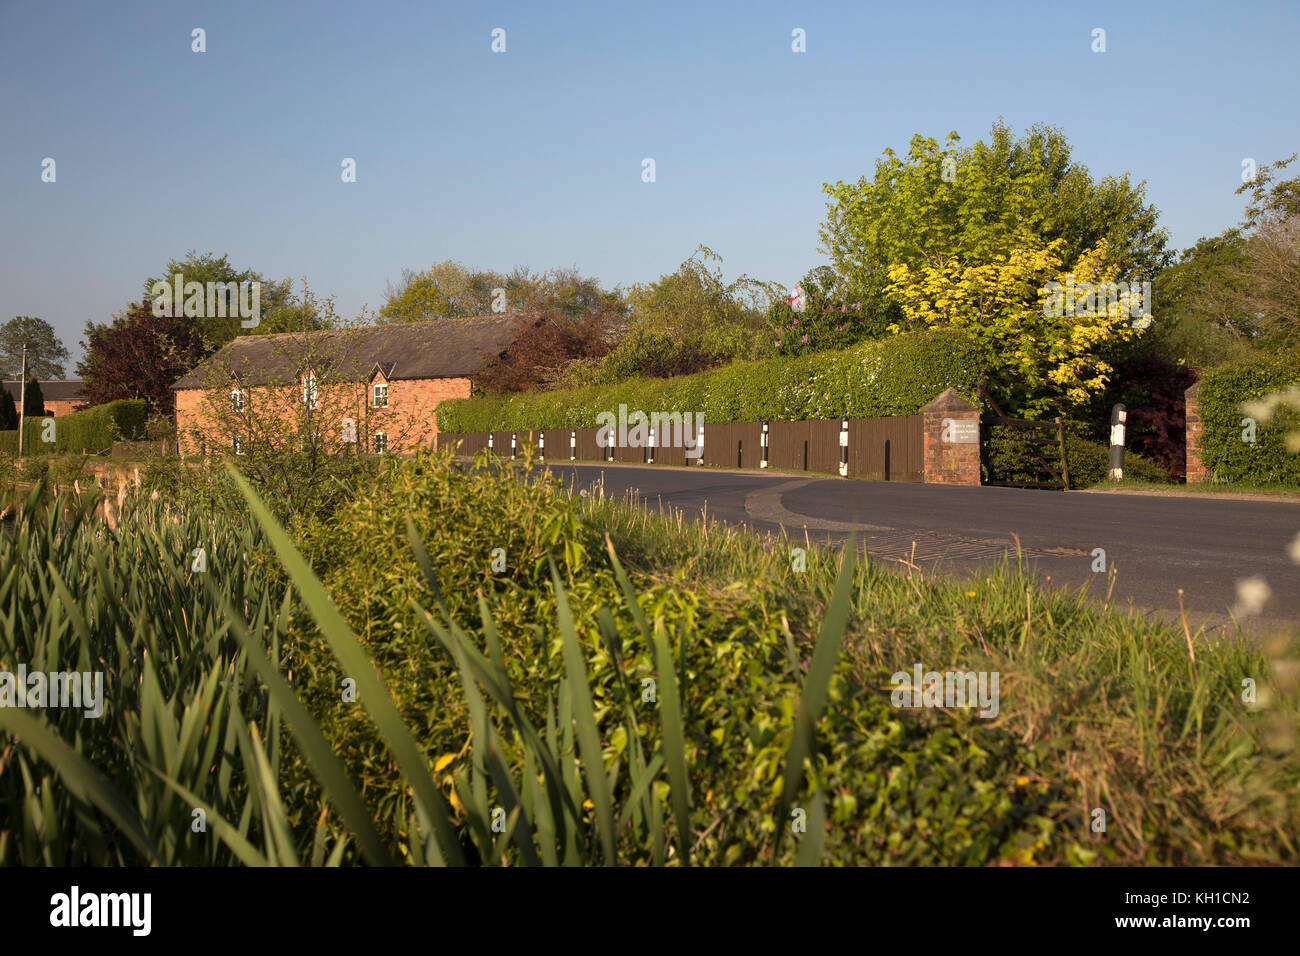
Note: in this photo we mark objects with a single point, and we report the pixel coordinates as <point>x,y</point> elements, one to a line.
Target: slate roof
<point>51,391</point>
<point>439,348</point>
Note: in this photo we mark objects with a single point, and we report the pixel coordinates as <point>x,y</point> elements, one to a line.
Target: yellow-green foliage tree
<point>1049,352</point>
<point>970,236</point>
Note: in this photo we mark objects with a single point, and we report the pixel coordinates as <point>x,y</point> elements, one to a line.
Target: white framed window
<point>236,444</point>
<point>310,396</point>
<point>381,395</point>
<point>237,400</point>
<point>381,442</point>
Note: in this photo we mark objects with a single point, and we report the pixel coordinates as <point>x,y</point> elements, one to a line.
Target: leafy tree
<point>943,206</point>
<point>696,297</point>
<point>139,355</point>
<point>1200,315</point>
<point>8,411</point>
<point>1239,290</point>
<point>547,341</point>
<point>564,289</point>
<point>279,310</point>
<point>33,400</point>
<point>1273,277</point>
<point>1269,196</point>
<point>1043,359</point>
<point>451,290</point>
<point>446,289</point>
<point>46,355</point>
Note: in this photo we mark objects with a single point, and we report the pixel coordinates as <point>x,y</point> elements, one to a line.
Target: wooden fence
<point>884,449</point>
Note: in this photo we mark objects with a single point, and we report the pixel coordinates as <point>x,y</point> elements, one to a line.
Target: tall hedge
<point>93,430</point>
<point>893,376</point>
<point>1226,456</point>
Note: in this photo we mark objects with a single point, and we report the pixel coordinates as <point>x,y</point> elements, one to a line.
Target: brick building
<point>60,397</point>
<point>376,386</point>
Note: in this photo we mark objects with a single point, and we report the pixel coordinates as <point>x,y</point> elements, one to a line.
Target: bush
<point>93,430</point>
<point>1152,391</point>
<point>894,376</point>
<point>739,672</point>
<point>1009,455</point>
<point>1225,455</point>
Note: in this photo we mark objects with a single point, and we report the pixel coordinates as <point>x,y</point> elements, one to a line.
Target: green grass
<point>632,688</point>
<point>1114,709</point>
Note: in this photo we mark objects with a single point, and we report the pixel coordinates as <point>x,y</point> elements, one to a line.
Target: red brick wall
<point>410,418</point>
<point>63,407</point>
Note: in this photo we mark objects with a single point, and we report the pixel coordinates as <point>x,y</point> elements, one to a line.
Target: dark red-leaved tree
<point>546,340</point>
<point>1152,389</point>
<point>139,355</point>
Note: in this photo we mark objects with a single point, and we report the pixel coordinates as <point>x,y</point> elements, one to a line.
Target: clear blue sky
<point>533,157</point>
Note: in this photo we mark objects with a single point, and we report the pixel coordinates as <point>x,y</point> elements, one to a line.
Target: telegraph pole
<point>22,400</point>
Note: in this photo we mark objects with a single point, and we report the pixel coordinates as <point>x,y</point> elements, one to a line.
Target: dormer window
<point>381,395</point>
<point>237,400</point>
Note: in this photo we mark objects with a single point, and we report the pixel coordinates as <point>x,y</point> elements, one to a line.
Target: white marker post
<point>1118,415</point>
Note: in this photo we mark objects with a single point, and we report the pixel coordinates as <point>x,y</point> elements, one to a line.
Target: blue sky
<point>533,157</point>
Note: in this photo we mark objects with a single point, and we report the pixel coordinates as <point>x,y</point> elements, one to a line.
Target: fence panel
<point>882,449</point>
<point>626,453</point>
<point>557,443</point>
<point>671,456</point>
<point>824,446</point>
<point>887,449</point>
<point>588,450</point>
<point>736,445</point>
<point>787,445</point>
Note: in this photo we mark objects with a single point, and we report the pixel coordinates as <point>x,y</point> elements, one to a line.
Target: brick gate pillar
<point>951,436</point>
<point>1195,435</point>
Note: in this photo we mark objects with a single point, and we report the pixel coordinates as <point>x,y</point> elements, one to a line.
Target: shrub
<point>1152,392</point>
<point>93,430</point>
<point>831,318</point>
<point>894,376</point>
<point>1225,455</point>
<point>1010,455</point>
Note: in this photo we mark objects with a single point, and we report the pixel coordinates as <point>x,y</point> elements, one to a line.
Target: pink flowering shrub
<point>814,318</point>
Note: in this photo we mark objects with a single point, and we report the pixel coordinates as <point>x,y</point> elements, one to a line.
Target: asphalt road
<point>1204,546</point>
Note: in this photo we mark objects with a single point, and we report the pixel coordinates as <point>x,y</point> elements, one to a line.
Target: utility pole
<point>22,400</point>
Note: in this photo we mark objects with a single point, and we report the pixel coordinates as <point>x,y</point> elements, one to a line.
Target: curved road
<point>1158,544</point>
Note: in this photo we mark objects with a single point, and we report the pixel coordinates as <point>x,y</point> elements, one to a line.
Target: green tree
<point>948,204</point>
<point>696,297</point>
<point>1239,290</point>
<point>446,289</point>
<point>8,411</point>
<point>33,400</point>
<point>280,310</point>
<point>46,355</point>
<point>1201,318</point>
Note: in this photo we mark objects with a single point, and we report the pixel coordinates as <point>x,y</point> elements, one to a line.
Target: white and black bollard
<point>1117,416</point>
<point>541,446</point>
<point>650,448</point>
<point>512,446</point>
<point>489,444</point>
<point>844,446</point>
<point>763,463</point>
<point>699,438</point>
<point>573,444</point>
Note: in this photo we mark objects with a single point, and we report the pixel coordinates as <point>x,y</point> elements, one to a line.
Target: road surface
<point>1204,546</point>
